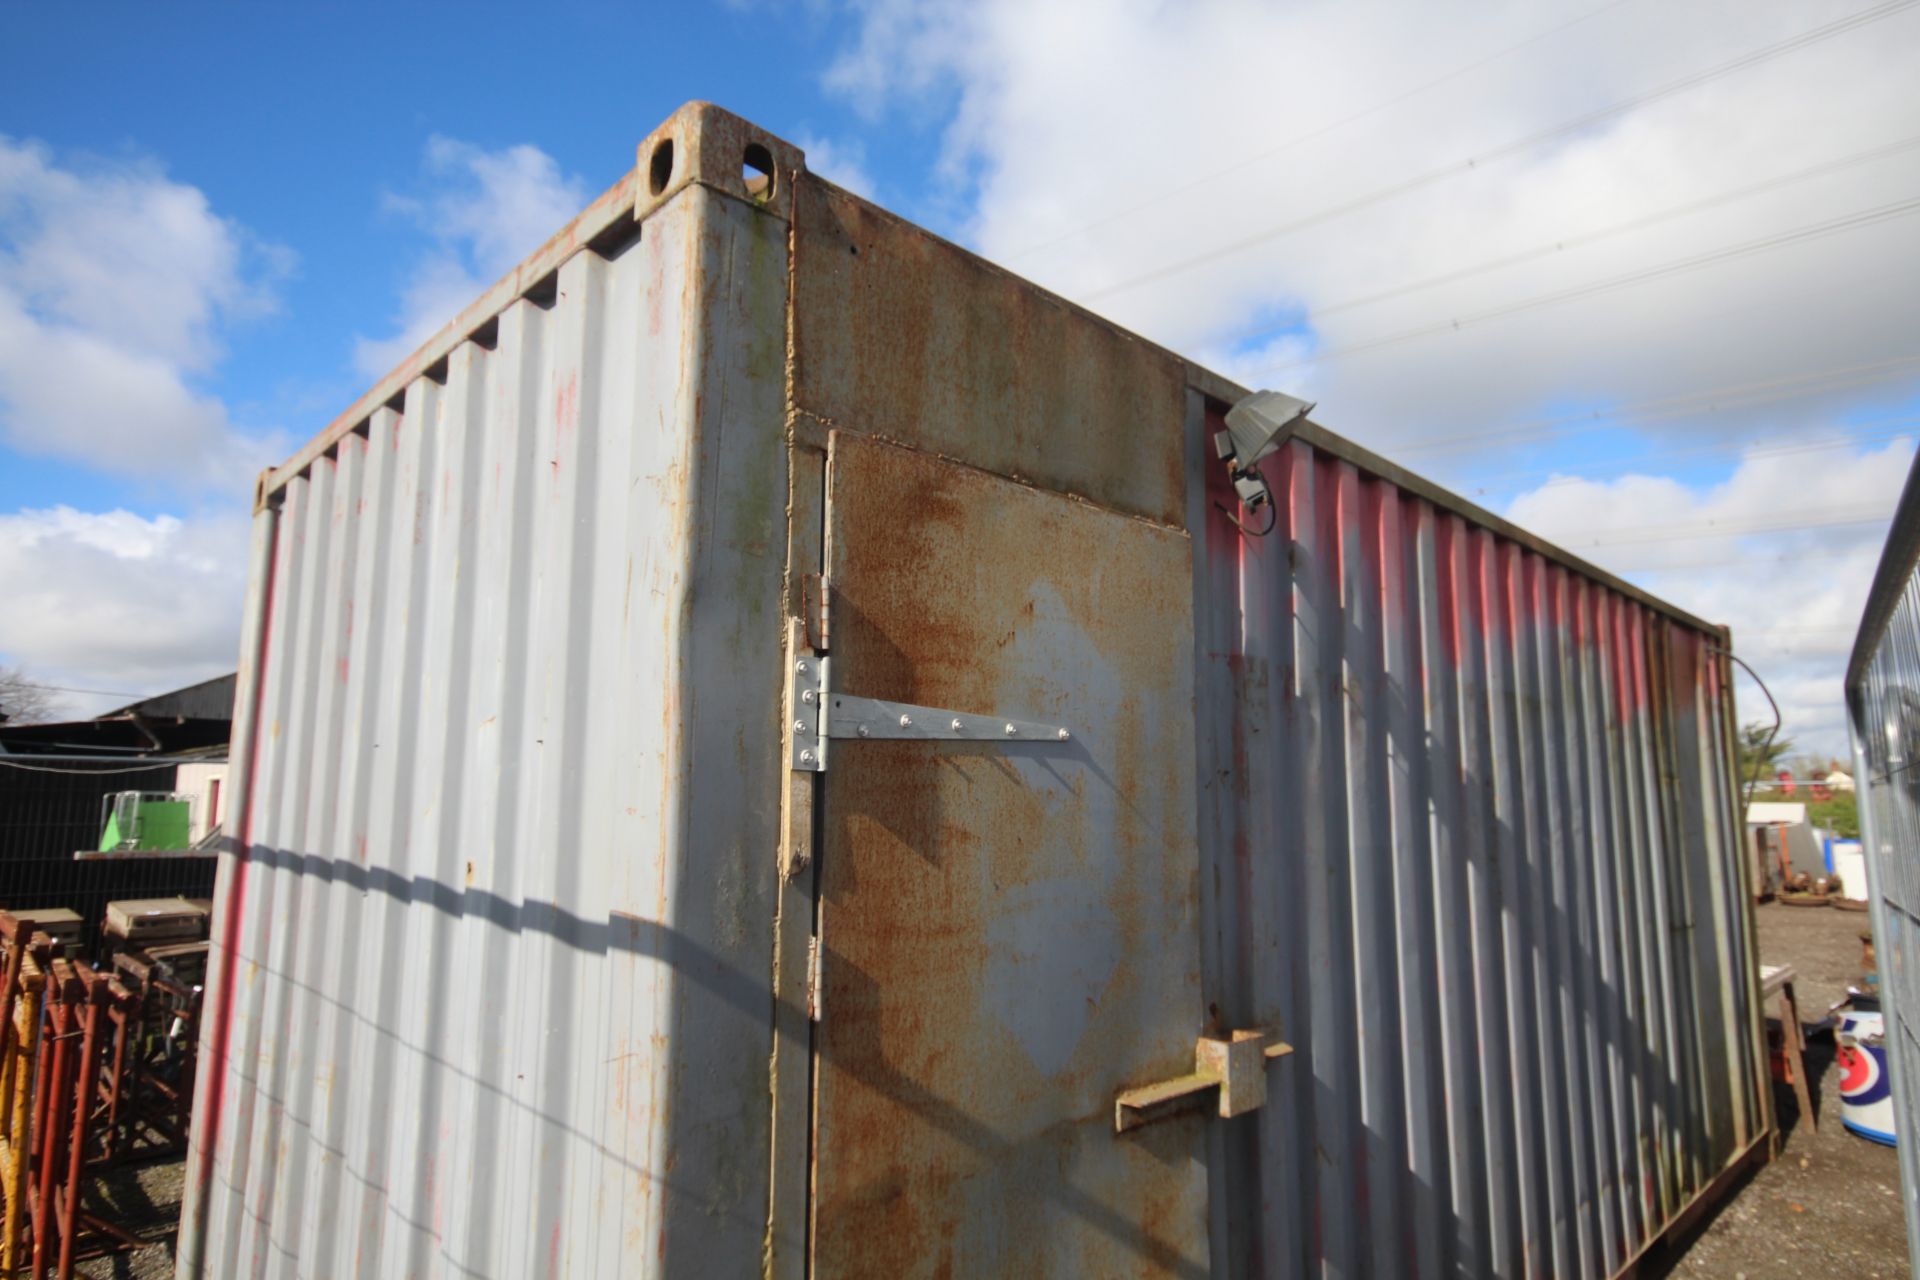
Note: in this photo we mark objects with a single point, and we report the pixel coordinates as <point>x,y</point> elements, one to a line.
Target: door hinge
<point>813,978</point>
<point>820,716</point>
<point>1232,1067</point>
<point>815,598</point>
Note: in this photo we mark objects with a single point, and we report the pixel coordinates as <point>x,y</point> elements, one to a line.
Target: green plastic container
<point>161,824</point>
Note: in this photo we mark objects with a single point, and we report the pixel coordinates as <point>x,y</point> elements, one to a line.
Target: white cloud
<point>112,600</point>
<point>843,163</point>
<point>1096,144</point>
<point>115,284</point>
<point>485,211</point>
<point>1106,141</point>
<point>1792,596</point>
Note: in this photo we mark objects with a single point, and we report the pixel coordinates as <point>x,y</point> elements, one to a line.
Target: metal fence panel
<point>1883,704</point>
<point>50,810</point>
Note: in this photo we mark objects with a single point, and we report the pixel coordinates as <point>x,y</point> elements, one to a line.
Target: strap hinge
<point>820,716</point>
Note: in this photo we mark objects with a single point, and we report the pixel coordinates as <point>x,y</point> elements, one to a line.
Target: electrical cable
<point>1674,533</point>
<point>1848,222</point>
<point>1766,748</point>
<point>1685,404</point>
<point>13,763</point>
<point>1240,166</point>
<point>1577,124</point>
<point>1888,430</point>
<point>1884,436</point>
<point>1584,238</point>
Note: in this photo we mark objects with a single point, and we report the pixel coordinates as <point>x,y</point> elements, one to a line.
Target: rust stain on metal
<point>901,335</point>
<point>1008,938</point>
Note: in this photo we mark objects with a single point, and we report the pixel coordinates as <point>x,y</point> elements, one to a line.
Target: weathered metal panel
<point>899,334</point>
<point>492,992</point>
<point>1009,931</point>
<point>1470,811</point>
<point>1883,704</point>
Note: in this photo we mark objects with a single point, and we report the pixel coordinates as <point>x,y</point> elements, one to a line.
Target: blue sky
<point>297,123</point>
<point>1615,268</point>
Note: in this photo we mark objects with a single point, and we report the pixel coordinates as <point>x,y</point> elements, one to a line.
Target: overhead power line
<point>1886,430</point>
<point>1677,266</point>
<point>1667,564</point>
<point>60,688</point>
<point>1242,165</point>
<point>1827,518</point>
<point>1565,128</point>
<point>1565,243</point>
<point>1847,627</point>
<point>1683,404</point>
<point>10,762</point>
<point>1885,435</point>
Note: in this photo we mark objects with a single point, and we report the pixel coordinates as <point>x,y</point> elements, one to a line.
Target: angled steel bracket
<point>1233,1067</point>
<point>820,716</point>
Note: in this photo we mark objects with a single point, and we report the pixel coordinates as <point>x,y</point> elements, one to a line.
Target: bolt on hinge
<point>1232,1067</point>
<point>808,703</point>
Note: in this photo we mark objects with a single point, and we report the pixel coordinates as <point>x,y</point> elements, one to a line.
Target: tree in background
<point>1835,812</point>
<point>22,701</point>
<point>1756,753</point>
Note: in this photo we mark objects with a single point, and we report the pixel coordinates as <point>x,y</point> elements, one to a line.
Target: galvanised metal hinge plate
<point>820,716</point>
<point>1234,1065</point>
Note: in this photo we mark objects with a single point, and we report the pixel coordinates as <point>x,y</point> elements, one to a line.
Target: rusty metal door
<point>1008,930</point>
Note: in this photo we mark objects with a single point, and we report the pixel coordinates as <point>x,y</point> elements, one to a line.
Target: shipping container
<point>1883,714</point>
<point>762,751</point>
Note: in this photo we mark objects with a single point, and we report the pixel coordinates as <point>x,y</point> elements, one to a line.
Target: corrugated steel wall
<point>1883,700</point>
<point>495,985</point>
<point>1473,853</point>
<point>492,988</point>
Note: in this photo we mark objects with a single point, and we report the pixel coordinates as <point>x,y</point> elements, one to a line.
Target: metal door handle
<point>1233,1066</point>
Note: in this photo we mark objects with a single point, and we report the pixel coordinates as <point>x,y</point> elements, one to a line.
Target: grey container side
<point>1564,796</point>
<point>1883,714</point>
<point>493,989</point>
<point>1469,822</point>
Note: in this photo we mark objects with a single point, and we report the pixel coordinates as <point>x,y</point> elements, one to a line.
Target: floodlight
<point>1257,426</point>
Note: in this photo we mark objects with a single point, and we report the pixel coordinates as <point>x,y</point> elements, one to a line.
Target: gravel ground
<point>145,1200</point>
<point>1830,1203</point>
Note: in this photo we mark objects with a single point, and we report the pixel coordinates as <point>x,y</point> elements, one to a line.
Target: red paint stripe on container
<point>233,908</point>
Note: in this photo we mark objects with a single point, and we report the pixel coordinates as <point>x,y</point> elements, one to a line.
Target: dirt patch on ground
<point>1830,1203</point>
<point>145,1201</point>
